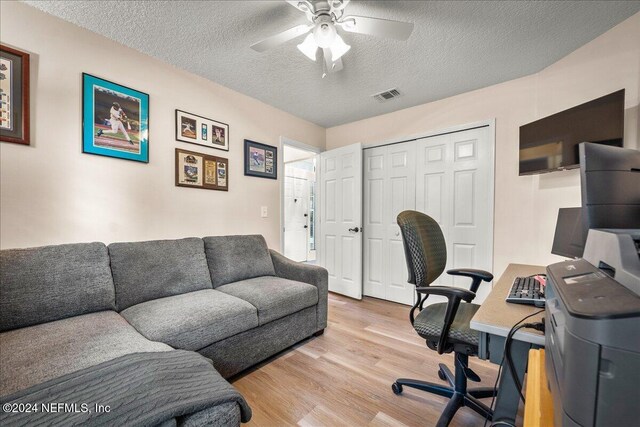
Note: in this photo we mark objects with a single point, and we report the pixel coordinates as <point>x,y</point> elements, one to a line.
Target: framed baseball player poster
<point>199,130</point>
<point>115,120</point>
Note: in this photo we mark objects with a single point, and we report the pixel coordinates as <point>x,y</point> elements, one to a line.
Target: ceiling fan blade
<point>377,27</point>
<point>282,37</point>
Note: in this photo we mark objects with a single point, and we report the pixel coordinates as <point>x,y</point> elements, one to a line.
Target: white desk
<point>494,319</point>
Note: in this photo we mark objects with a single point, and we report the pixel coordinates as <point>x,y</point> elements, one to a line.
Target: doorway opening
<point>299,202</point>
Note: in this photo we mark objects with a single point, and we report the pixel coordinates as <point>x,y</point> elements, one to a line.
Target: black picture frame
<point>203,132</point>
<point>260,160</point>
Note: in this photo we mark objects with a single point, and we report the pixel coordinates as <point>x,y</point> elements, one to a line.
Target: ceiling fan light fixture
<point>325,34</point>
<point>309,47</point>
<point>338,48</point>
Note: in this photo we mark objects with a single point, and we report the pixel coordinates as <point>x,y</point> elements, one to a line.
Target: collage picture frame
<point>198,170</point>
<point>14,96</point>
<point>201,131</point>
<point>260,160</point>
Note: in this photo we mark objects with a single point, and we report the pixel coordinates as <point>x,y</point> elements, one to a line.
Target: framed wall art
<point>260,160</point>
<point>115,120</point>
<point>199,130</point>
<point>197,170</point>
<point>14,95</point>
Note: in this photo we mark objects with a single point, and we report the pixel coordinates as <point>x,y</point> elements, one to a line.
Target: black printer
<point>592,332</point>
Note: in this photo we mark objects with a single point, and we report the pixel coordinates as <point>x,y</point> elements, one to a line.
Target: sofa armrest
<point>311,274</point>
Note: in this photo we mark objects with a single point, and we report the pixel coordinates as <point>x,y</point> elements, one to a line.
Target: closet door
<point>389,188</point>
<point>401,190</point>
<point>375,196</point>
<point>470,233</point>
<point>455,187</point>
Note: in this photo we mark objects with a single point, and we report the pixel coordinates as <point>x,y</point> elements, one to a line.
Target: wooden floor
<point>344,377</point>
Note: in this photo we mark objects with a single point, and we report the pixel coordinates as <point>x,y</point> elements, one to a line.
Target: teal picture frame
<point>115,120</point>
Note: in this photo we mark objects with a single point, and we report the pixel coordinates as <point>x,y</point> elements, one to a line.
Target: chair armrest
<point>476,275</point>
<point>311,274</point>
<point>454,295</point>
<point>448,291</point>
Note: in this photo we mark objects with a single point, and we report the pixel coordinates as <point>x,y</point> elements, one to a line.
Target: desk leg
<point>508,398</point>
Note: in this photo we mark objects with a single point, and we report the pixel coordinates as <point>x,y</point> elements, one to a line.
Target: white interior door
<point>402,196</point>
<point>455,187</point>
<point>389,188</point>
<point>340,219</point>
<point>296,224</point>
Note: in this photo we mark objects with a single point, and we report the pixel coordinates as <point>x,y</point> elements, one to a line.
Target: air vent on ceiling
<point>386,95</point>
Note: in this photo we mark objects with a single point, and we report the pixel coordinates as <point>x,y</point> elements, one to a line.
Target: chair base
<point>457,391</point>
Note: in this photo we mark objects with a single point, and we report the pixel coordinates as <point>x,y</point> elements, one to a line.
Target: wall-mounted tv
<point>551,143</point>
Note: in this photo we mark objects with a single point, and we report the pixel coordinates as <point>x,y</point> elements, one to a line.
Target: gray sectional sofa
<point>69,308</point>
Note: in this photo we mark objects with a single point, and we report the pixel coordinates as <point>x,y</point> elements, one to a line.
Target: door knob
<point>306,226</point>
<point>397,233</point>
<point>355,230</point>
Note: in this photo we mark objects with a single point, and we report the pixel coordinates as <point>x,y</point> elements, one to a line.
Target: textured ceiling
<point>455,47</point>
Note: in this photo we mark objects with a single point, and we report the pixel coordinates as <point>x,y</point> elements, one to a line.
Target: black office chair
<point>445,326</point>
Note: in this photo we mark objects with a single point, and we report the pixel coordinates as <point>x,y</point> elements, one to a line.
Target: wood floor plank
<point>344,377</point>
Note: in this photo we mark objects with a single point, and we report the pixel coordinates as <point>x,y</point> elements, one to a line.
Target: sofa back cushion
<point>234,258</point>
<point>44,284</point>
<point>144,271</point>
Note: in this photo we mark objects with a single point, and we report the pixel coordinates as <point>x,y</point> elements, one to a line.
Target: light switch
<point>264,212</point>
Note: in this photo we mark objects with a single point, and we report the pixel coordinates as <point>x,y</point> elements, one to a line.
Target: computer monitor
<point>568,240</point>
<point>610,179</point>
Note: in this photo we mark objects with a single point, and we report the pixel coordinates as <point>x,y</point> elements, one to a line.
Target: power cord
<point>539,326</point>
<point>508,341</point>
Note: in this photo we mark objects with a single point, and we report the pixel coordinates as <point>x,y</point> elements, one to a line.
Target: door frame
<point>301,145</point>
<point>491,125</point>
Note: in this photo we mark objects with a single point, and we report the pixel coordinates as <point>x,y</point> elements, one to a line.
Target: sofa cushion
<point>274,297</point>
<point>194,320</point>
<point>143,271</point>
<point>49,283</point>
<point>233,258</point>
<point>40,353</point>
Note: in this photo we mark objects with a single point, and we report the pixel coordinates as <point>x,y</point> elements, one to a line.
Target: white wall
<point>52,193</point>
<point>525,207</point>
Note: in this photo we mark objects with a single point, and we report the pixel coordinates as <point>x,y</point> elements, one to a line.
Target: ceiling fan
<point>324,16</point>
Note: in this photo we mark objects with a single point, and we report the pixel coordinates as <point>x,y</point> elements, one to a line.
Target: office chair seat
<point>429,322</point>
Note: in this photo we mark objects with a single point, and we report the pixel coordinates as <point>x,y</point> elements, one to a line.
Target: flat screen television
<point>551,143</point>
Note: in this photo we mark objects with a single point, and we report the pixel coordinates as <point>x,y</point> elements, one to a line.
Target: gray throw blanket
<point>140,389</point>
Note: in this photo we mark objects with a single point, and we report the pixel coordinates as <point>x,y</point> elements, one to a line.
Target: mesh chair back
<point>424,247</point>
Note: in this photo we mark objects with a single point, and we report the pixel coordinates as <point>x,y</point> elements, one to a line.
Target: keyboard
<point>526,290</point>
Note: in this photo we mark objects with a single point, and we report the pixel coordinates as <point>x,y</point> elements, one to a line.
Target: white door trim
<point>458,128</point>
<point>297,144</point>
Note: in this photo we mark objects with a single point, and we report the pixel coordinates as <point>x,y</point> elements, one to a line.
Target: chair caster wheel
<point>397,388</point>
<point>441,375</point>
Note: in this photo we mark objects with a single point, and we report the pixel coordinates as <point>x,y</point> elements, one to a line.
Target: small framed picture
<point>115,120</point>
<point>199,130</point>
<point>14,95</point>
<point>260,160</point>
<point>199,170</point>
